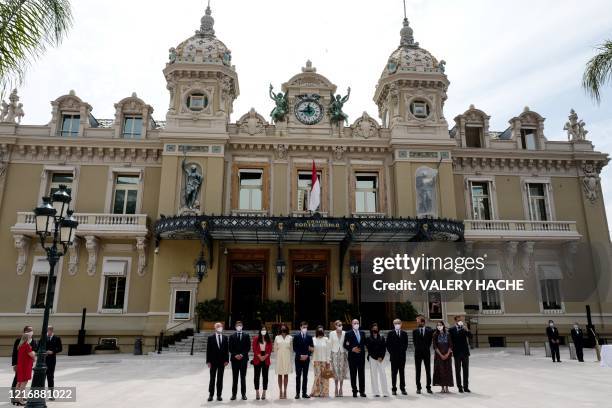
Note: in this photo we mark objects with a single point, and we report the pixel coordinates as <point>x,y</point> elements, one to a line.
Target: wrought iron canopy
<point>307,229</point>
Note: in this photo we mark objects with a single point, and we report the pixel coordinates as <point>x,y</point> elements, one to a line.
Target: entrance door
<point>310,300</point>
<point>246,299</point>
<point>310,286</point>
<point>246,286</point>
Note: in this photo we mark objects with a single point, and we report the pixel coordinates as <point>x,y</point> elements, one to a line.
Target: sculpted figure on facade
<point>12,112</point>
<point>335,107</point>
<point>252,123</point>
<point>575,128</point>
<point>193,182</point>
<point>426,179</point>
<point>365,127</point>
<point>590,181</point>
<point>282,106</point>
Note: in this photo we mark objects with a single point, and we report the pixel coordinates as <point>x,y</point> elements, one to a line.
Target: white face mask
<point>576,326</point>
<point>263,332</point>
<point>238,328</point>
<point>551,324</point>
<point>440,328</point>
<point>304,330</point>
<point>460,323</point>
<point>219,329</point>
<point>356,327</point>
<point>398,326</point>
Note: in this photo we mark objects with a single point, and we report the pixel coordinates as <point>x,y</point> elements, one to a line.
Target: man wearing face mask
<point>578,338</point>
<point>303,346</point>
<point>460,337</point>
<point>239,347</point>
<point>397,344</point>
<point>553,340</point>
<point>217,357</point>
<point>354,343</point>
<point>422,337</point>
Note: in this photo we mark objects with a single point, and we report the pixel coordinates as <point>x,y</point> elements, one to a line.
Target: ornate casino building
<point>191,205</point>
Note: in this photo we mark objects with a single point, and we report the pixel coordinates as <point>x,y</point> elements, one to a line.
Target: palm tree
<point>598,71</point>
<point>27,28</point>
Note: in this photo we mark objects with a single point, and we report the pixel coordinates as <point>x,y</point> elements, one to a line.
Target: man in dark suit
<point>397,344</point>
<point>239,347</point>
<point>54,346</point>
<point>553,340</point>
<point>217,357</point>
<point>303,347</point>
<point>34,346</point>
<point>354,343</point>
<point>422,337</point>
<point>578,339</point>
<point>460,337</point>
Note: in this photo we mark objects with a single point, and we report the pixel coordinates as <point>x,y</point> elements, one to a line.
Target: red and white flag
<point>315,191</point>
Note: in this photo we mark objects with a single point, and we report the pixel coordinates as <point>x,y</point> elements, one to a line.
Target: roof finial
<point>406,33</point>
<point>207,23</point>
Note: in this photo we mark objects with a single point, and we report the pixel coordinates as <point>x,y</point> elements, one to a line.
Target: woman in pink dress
<point>25,362</point>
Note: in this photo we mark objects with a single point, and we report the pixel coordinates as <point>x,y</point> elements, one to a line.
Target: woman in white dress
<point>320,358</point>
<point>283,345</point>
<point>339,359</point>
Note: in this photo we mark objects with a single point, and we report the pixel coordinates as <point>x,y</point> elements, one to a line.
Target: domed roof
<point>409,57</point>
<point>203,47</point>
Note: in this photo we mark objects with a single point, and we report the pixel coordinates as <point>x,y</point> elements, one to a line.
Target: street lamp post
<point>54,220</point>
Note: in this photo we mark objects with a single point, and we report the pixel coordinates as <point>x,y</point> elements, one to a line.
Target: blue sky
<point>501,55</point>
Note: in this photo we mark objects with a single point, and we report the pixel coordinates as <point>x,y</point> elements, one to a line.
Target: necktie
<point>239,336</point>
<point>398,334</point>
<point>219,340</point>
<point>422,331</point>
<point>357,336</point>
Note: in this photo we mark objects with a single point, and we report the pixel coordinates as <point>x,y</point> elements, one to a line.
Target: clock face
<point>309,111</point>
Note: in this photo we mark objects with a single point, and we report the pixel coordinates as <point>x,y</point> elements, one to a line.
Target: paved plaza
<point>498,378</point>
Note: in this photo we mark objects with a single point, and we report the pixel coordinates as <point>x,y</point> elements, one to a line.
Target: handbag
<point>327,373</point>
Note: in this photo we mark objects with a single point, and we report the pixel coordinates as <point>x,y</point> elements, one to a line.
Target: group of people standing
<point>337,356</point>
<point>24,358</point>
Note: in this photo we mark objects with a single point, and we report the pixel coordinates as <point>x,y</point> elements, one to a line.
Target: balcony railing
<point>520,229</point>
<point>92,223</point>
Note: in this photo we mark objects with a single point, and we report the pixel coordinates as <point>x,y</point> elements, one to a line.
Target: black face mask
<point>284,331</point>
<point>320,333</point>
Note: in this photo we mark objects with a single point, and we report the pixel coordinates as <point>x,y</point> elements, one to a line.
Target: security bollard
<point>527,348</point>
<point>547,348</point>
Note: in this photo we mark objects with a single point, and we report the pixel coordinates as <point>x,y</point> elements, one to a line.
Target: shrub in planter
<point>406,311</point>
<point>211,311</point>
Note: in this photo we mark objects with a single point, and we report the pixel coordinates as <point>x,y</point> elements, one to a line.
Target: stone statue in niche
<point>426,196</point>
<point>193,183</point>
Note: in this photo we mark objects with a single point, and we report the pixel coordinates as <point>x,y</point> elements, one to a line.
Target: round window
<point>419,109</point>
<point>197,101</point>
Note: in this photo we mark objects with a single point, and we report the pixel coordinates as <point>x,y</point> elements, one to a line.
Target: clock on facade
<point>308,110</point>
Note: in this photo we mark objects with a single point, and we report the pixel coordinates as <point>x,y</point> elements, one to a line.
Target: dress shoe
<point>306,396</point>
<point>233,397</point>
<point>429,391</point>
<point>362,395</point>
<point>244,397</point>
<point>297,396</point>
<point>404,392</point>
<point>466,389</point>
<point>354,395</point>
<point>418,391</point>
<point>210,398</point>
<point>377,396</point>
<point>219,399</point>
<point>394,392</point>
<point>461,390</point>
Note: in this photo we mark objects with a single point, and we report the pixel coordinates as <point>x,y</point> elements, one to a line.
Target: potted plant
<point>209,312</point>
<point>407,313</point>
<point>276,312</point>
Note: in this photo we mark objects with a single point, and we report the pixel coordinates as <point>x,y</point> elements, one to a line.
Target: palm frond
<point>598,71</point>
<point>27,28</point>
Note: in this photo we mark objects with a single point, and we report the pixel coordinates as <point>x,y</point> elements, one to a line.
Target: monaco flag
<point>315,191</point>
